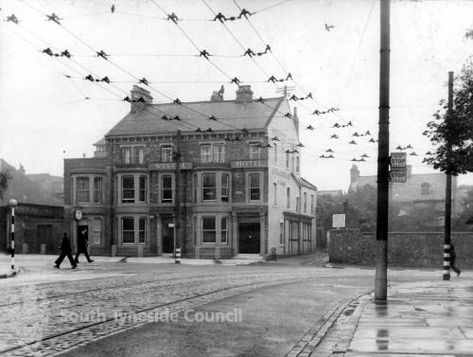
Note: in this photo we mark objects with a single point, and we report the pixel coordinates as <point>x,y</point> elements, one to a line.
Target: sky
<point>49,112</point>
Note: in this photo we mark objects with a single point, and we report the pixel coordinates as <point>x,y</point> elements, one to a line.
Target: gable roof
<point>231,115</point>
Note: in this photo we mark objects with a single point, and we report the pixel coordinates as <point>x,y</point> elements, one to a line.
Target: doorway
<point>167,235</point>
<point>249,240</point>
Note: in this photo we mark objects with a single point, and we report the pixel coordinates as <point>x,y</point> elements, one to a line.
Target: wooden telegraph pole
<point>381,279</point>
<point>448,188</point>
<point>178,216</point>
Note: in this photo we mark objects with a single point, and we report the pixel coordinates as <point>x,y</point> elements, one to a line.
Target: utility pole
<point>381,278</point>
<point>177,214</point>
<point>448,186</point>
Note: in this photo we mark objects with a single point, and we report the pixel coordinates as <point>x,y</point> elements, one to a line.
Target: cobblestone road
<point>45,319</point>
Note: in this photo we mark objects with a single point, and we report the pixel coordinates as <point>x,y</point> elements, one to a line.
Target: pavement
<point>432,318</point>
<point>24,262</point>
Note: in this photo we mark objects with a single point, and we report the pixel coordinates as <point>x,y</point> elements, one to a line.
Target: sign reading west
<point>248,163</point>
<point>169,166</point>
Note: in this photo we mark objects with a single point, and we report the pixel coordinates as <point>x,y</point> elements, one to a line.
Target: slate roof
<point>230,114</point>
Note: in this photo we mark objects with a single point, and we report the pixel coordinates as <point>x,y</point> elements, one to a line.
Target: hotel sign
<point>169,166</point>
<point>237,164</point>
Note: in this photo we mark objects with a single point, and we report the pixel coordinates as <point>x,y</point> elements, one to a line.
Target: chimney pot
<point>244,94</point>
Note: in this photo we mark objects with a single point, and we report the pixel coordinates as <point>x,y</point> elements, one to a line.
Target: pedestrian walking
<point>453,257</point>
<point>82,245</point>
<point>66,251</point>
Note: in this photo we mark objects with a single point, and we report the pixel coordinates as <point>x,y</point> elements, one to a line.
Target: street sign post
<point>398,171</point>
<point>398,159</point>
<point>338,220</point>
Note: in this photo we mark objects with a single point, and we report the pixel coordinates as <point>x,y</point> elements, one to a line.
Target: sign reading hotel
<point>398,163</point>
<point>169,166</point>
<point>248,163</point>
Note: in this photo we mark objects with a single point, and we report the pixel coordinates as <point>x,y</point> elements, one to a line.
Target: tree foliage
<point>5,177</point>
<point>363,201</point>
<point>451,132</point>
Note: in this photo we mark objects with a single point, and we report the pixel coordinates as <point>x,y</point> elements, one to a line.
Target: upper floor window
<point>126,155</point>
<point>288,197</point>
<point>209,187</point>
<point>224,188</point>
<point>297,163</point>
<point>82,190</point>
<point>305,202</point>
<point>312,204</point>
<point>212,152</point>
<point>128,189</point>
<point>425,189</point>
<point>134,189</point>
<point>219,152</point>
<point>142,189</point>
<point>255,151</point>
<point>166,153</point>
<point>298,204</point>
<point>254,186</point>
<point>138,154</point>
<point>206,153</point>
<point>275,152</point>
<point>98,189</point>
<point>133,154</point>
<point>166,188</point>
<point>287,159</point>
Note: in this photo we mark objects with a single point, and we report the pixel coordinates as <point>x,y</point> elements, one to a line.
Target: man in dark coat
<point>453,258</point>
<point>66,251</point>
<point>82,246</point>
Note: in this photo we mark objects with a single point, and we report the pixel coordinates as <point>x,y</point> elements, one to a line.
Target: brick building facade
<point>218,177</point>
<point>35,226</point>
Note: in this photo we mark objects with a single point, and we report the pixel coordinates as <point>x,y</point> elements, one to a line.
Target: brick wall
<point>416,249</point>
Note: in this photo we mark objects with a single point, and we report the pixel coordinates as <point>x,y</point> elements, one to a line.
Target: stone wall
<point>415,249</point>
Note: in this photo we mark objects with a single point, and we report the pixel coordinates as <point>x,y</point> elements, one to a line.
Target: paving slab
<point>430,318</point>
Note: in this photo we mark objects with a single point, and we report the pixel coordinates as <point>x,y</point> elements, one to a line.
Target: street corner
<point>10,274</point>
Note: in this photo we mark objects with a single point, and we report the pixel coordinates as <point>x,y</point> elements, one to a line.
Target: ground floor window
<point>97,230</point>
<point>214,229</point>
<point>133,229</point>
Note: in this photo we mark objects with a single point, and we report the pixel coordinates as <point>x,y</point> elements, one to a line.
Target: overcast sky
<point>45,116</point>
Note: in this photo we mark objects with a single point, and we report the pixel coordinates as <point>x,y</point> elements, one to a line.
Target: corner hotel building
<point>219,178</point>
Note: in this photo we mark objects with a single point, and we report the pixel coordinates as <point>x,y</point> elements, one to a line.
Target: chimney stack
<point>244,94</point>
<point>217,96</point>
<point>139,98</point>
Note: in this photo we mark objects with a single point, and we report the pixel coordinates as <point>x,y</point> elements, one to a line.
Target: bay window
<point>209,188</point>
<point>209,233</point>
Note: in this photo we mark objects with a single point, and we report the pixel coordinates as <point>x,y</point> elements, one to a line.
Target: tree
<point>5,178</point>
<point>451,132</point>
<point>363,201</point>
